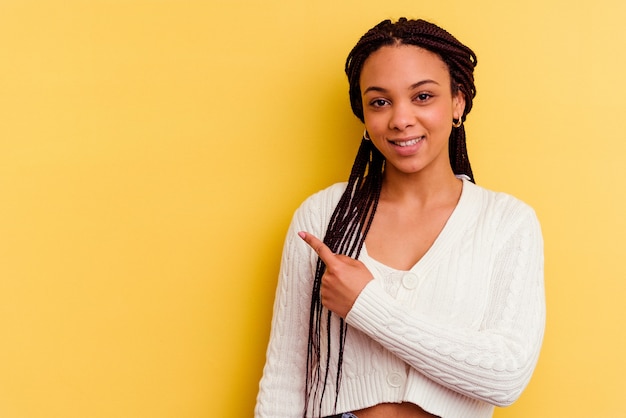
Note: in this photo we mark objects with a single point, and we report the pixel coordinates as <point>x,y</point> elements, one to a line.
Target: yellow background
<point>152,153</point>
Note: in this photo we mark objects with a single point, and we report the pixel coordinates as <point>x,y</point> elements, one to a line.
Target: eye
<point>378,103</point>
<point>423,97</point>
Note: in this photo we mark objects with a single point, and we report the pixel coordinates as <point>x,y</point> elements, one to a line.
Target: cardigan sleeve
<point>282,387</point>
<point>493,363</point>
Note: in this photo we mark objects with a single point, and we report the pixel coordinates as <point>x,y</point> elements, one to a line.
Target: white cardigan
<point>458,333</point>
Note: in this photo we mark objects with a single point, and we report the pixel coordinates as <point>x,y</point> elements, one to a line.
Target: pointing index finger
<point>318,246</point>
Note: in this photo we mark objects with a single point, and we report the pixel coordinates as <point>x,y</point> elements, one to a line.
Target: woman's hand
<point>343,280</point>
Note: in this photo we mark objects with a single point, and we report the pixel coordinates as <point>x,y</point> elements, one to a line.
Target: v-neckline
<point>452,227</point>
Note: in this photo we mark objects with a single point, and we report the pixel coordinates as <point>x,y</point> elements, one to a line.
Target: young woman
<point>424,297</point>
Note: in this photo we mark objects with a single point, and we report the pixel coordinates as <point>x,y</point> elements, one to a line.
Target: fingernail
<point>302,235</point>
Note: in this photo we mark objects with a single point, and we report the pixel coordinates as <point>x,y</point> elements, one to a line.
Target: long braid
<point>346,233</point>
<point>353,216</point>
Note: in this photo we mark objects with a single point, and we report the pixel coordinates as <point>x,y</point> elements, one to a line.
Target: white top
<point>458,333</point>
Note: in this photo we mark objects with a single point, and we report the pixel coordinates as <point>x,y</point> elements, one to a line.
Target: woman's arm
<point>281,390</point>
<point>282,387</point>
<point>493,363</point>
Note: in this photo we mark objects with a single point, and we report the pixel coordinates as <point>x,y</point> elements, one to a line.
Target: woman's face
<point>408,108</point>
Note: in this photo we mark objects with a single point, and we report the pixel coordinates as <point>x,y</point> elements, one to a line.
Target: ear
<point>458,104</point>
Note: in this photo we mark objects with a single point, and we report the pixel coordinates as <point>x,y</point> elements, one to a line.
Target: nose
<point>402,116</point>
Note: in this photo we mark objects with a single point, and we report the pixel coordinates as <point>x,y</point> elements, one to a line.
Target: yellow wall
<point>152,152</point>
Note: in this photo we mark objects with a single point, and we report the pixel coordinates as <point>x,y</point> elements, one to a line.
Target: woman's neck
<point>420,188</point>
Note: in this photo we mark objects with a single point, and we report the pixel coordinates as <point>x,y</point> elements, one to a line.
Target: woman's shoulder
<point>325,198</point>
<point>498,205</point>
<point>315,212</point>
<point>495,197</point>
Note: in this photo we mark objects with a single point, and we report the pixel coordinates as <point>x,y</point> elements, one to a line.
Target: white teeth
<point>408,143</point>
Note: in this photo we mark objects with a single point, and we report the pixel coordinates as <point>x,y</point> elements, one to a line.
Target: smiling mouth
<point>407,143</point>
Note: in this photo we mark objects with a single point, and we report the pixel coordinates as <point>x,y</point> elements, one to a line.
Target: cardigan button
<point>410,281</point>
<point>395,379</point>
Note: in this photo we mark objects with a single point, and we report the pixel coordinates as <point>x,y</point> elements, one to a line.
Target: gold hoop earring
<point>366,136</point>
<point>458,123</point>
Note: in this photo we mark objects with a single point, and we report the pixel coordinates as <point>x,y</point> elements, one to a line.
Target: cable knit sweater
<point>457,334</point>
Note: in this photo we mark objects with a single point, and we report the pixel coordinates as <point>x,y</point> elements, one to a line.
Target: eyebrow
<point>413,86</point>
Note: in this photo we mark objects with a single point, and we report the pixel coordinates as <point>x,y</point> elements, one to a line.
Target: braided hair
<point>353,216</point>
